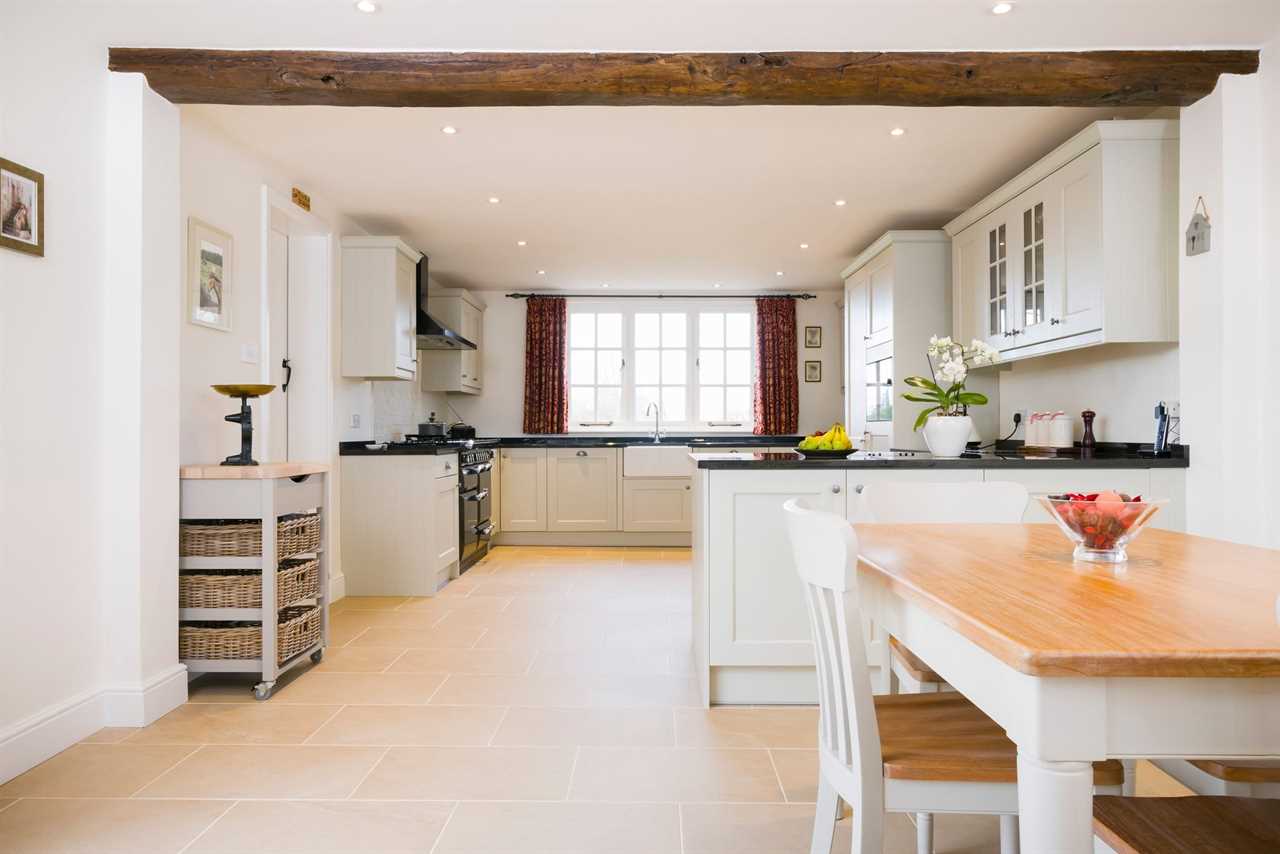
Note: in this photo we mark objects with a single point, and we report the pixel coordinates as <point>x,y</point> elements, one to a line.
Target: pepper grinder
<point>1088,443</point>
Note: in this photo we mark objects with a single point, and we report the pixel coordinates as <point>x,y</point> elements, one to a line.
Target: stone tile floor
<point>543,703</point>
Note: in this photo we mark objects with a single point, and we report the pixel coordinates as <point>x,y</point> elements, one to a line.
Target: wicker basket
<point>298,628</point>
<point>242,588</point>
<point>295,534</point>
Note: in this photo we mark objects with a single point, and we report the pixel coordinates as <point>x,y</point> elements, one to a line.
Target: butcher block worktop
<point>265,471</point>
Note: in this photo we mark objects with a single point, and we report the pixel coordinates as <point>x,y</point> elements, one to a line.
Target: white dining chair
<point>914,753</point>
<point>1252,778</point>
<point>964,502</point>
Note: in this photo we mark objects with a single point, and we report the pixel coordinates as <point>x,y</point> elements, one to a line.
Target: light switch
<point>249,354</point>
<point>355,419</point>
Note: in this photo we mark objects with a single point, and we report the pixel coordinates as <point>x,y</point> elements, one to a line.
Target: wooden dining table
<point>1175,652</point>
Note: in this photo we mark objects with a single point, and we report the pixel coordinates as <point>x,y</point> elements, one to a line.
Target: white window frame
<point>632,421</point>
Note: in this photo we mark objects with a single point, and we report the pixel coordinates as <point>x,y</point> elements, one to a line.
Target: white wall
<point>1120,382</point>
<point>1229,308</point>
<point>499,410</point>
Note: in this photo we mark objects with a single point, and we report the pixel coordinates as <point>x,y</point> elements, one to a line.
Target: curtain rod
<point>661,296</point>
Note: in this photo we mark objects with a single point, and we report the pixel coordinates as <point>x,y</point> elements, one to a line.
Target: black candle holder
<point>244,418</point>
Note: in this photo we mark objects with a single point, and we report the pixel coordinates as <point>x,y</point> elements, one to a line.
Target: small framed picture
<point>21,208</point>
<point>209,278</point>
<point>813,372</point>
<point>813,337</point>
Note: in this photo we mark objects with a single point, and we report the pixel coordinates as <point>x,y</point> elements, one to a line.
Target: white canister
<point>1036,433</point>
<point>1060,430</point>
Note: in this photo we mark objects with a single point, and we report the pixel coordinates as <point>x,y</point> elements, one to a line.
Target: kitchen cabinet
<point>879,279</point>
<point>859,479</point>
<point>379,308</point>
<point>657,504</point>
<point>582,489</point>
<point>399,523</point>
<point>1078,250</point>
<point>524,489</point>
<point>445,518</point>
<point>455,370</point>
<point>1149,483</point>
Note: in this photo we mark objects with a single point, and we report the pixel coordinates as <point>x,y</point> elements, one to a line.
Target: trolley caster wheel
<point>316,656</point>
<point>263,690</point>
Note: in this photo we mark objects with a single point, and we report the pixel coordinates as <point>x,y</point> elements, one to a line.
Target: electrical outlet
<point>1019,418</point>
<point>1175,408</point>
<point>355,420</point>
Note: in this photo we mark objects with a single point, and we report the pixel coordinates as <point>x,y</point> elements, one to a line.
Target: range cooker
<point>475,469</point>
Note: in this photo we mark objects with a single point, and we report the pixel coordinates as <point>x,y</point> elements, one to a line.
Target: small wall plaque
<point>301,199</point>
<point>1199,230</point>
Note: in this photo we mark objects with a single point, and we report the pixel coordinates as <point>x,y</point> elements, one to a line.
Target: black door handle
<point>288,375</point>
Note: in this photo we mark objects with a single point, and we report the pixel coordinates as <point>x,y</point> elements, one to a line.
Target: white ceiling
<point>647,198</point>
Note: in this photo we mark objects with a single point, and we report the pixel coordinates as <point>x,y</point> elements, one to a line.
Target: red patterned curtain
<point>777,392</point>
<point>546,356</point>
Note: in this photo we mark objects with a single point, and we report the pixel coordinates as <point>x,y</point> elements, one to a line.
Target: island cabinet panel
<point>758,614</point>
<point>524,489</point>
<point>582,489</point>
<point>862,479</point>
<point>1133,481</point>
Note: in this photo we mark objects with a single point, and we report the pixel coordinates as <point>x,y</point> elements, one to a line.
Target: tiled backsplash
<point>398,408</point>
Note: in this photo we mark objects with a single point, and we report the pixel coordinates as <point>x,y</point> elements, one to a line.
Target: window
<point>997,270</point>
<point>1033,265</point>
<point>880,390</point>
<point>694,362</point>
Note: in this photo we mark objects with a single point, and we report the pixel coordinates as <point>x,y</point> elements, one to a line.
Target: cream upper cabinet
<point>1078,250</point>
<point>455,370</point>
<point>582,489</point>
<point>379,308</point>
<point>524,489</point>
<point>880,301</point>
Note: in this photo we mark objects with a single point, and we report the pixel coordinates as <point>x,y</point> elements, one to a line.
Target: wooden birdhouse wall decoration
<point>1199,229</point>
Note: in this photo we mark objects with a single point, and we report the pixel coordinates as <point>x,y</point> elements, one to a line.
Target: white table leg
<point>1055,805</point>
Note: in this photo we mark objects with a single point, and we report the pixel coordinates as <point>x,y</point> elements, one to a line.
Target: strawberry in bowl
<point>1101,524</point>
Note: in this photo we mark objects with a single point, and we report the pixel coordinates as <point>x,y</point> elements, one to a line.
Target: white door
<point>445,517</point>
<point>969,292</point>
<point>657,504</point>
<point>277,348</point>
<point>524,489</point>
<point>471,330</point>
<point>582,489</point>
<point>880,300</point>
<point>857,336</point>
<point>406,315</point>
<point>758,615</point>
<point>1075,294</point>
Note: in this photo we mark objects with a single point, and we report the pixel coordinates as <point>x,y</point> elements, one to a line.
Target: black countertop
<point>1112,457</point>
<point>361,449</point>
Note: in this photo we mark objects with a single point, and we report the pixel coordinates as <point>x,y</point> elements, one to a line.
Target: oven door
<point>474,526</point>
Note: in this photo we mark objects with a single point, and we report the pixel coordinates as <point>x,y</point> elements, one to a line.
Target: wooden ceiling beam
<point>1126,78</point>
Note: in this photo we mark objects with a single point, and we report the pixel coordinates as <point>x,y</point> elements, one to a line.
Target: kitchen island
<point>750,630</point>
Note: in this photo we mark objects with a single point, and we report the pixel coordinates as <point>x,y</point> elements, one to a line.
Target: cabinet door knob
<point>688,488</point>
<point>582,453</point>
<point>858,489</point>
<point>835,487</point>
<point>1053,321</point>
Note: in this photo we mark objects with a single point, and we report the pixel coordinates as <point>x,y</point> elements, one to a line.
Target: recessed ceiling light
<point>897,132</point>
<point>779,273</point>
<point>367,6</point>
<point>1002,8</point>
<point>716,285</point>
<point>804,245</point>
<point>605,285</point>
<point>449,129</point>
<point>493,200</point>
<point>522,243</point>
<point>840,203</point>
<point>542,272</point>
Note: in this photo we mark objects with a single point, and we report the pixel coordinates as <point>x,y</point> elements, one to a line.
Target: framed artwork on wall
<point>21,208</point>
<point>813,372</point>
<point>209,278</point>
<point>813,337</point>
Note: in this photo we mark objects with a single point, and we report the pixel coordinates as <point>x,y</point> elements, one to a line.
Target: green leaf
<point>924,416</point>
<point>926,398</point>
<point>923,382</point>
<point>972,398</point>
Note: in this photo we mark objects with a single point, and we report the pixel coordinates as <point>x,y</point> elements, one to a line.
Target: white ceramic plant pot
<point>947,435</point>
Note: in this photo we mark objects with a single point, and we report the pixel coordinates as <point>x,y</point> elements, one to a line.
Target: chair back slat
<point>967,502</point>
<point>826,554</point>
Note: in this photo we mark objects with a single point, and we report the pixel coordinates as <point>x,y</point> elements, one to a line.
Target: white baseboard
<point>53,729</point>
<point>142,704</point>
<point>337,588</point>
<point>597,539</point>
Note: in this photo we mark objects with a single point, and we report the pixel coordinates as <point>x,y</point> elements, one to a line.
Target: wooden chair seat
<point>945,737</point>
<point>1241,770</point>
<point>912,664</point>
<point>1195,825</point>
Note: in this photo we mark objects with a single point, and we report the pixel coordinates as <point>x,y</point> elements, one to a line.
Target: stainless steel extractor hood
<point>432,334</point>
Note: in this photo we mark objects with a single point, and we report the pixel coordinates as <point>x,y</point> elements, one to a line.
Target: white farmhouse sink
<point>656,461</point>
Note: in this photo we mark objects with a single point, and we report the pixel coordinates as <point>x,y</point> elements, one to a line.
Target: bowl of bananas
<point>831,445</point>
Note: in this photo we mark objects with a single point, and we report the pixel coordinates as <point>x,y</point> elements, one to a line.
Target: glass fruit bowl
<point>1101,524</point>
